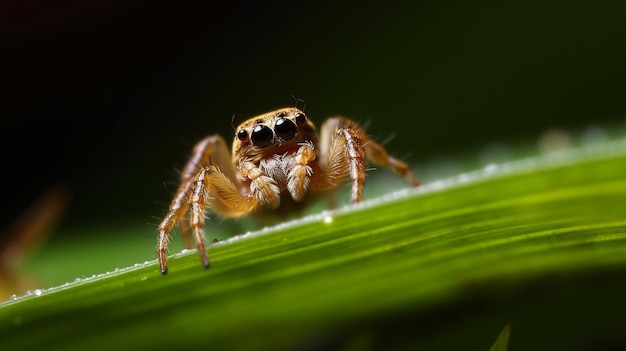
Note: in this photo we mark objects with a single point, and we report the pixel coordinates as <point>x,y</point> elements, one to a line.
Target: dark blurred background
<point>109,96</point>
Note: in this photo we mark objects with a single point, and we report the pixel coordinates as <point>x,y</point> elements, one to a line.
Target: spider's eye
<point>300,118</point>
<point>285,129</point>
<point>262,136</point>
<point>242,135</point>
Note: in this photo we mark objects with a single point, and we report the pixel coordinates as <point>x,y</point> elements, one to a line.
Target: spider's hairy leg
<point>298,178</point>
<point>163,240</point>
<point>211,150</point>
<point>377,154</point>
<point>341,155</point>
<point>208,168</point>
<point>374,152</point>
<point>213,189</point>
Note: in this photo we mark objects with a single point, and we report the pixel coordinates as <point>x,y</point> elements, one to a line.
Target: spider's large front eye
<point>285,129</point>
<point>262,136</point>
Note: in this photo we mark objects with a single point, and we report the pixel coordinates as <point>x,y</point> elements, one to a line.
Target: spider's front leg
<point>344,146</point>
<point>208,180</point>
<point>341,155</point>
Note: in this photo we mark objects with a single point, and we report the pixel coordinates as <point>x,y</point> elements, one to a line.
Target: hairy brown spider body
<point>277,163</point>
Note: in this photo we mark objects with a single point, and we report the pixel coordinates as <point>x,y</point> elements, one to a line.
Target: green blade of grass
<point>334,275</point>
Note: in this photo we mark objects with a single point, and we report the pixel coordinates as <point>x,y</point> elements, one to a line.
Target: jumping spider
<point>278,161</point>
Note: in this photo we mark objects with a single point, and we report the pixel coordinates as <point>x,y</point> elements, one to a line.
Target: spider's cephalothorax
<point>277,160</point>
